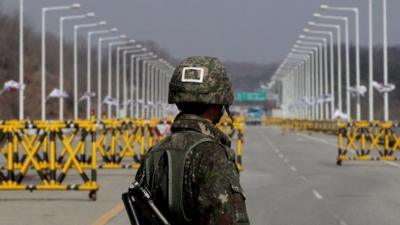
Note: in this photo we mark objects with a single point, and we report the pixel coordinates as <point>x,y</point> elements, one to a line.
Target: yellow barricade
<point>365,141</point>
<point>303,125</point>
<point>118,140</point>
<point>235,131</point>
<point>51,153</point>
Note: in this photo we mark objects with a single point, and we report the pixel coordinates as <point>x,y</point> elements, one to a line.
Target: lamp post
<point>370,62</point>
<point>339,60</point>
<point>326,80</point>
<point>345,20</point>
<point>118,72</point>
<point>21,59</point>
<point>314,92</point>
<point>138,101</point>
<point>385,62</point>
<point>124,78</point>
<point>111,45</point>
<point>319,78</point>
<point>357,32</point>
<point>62,20</point>
<point>89,64</point>
<point>145,84</point>
<point>302,78</point>
<point>76,28</point>
<point>99,70</point>
<point>43,68</point>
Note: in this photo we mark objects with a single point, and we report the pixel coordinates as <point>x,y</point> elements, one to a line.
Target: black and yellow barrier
<point>303,125</point>
<point>41,151</point>
<point>118,140</point>
<point>55,150</point>
<point>366,141</point>
<point>235,131</point>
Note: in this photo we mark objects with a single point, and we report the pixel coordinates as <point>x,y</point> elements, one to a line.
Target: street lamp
<point>99,70</point>
<point>43,81</point>
<point>21,59</point>
<point>89,64</point>
<point>138,101</point>
<point>124,78</point>
<point>118,72</point>
<point>385,62</point>
<point>306,57</point>
<point>332,95</point>
<point>339,59</point>
<point>345,19</point>
<point>319,79</point>
<point>111,45</point>
<point>62,20</point>
<point>145,74</point>
<point>76,28</point>
<point>357,31</point>
<point>313,82</point>
<point>300,92</point>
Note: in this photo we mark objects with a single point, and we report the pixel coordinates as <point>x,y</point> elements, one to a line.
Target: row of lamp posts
<point>311,89</point>
<point>144,89</point>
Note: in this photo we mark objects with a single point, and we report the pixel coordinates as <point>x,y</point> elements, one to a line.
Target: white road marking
<point>318,139</point>
<point>341,222</point>
<point>392,164</point>
<point>294,169</point>
<point>317,195</point>
<point>286,160</point>
<point>303,178</point>
<point>281,156</point>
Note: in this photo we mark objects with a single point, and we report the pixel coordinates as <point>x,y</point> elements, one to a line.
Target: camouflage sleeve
<point>220,198</point>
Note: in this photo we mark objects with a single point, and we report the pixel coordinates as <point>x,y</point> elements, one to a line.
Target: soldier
<point>192,174</point>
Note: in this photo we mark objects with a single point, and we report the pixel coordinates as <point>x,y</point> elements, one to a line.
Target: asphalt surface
<point>289,179</point>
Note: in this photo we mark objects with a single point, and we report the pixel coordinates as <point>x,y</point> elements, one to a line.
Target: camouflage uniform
<point>211,192</point>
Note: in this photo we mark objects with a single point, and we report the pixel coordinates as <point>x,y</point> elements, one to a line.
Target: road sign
<point>251,96</point>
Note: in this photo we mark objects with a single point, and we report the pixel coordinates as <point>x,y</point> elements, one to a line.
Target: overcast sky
<point>241,30</point>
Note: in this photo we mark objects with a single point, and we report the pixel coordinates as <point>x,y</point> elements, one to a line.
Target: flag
<point>340,115</point>
<point>12,86</point>
<point>381,88</point>
<point>56,93</point>
<point>108,100</point>
<point>264,87</point>
<point>360,90</point>
<point>87,96</point>
<point>328,98</point>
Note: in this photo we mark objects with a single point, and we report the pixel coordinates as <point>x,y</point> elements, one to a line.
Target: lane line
<point>317,139</point>
<point>109,215</point>
<point>317,195</point>
<point>281,156</point>
<point>286,160</point>
<point>303,178</point>
<point>392,164</point>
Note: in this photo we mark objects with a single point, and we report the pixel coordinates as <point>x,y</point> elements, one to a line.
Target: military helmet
<point>200,80</point>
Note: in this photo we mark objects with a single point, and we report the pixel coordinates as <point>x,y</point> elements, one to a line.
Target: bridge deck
<point>288,179</point>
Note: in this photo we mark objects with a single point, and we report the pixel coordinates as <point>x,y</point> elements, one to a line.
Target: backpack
<point>176,168</point>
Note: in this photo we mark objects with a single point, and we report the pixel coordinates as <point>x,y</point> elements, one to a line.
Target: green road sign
<point>251,96</point>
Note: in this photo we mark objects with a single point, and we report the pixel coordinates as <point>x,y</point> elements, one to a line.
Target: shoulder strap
<point>176,167</point>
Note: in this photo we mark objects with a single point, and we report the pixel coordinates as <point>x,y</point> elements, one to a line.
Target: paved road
<point>289,179</point>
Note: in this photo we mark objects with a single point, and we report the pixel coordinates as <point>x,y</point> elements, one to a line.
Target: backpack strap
<point>176,169</point>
